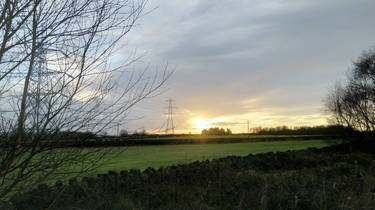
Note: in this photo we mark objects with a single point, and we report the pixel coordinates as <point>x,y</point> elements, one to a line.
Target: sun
<point>205,123</point>
<point>201,124</point>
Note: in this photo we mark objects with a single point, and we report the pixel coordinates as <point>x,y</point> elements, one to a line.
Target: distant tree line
<point>125,133</point>
<point>305,130</point>
<point>216,131</point>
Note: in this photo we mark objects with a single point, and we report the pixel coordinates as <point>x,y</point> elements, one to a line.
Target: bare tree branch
<point>353,105</point>
<point>56,82</point>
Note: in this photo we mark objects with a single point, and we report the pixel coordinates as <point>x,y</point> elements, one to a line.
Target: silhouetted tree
<point>228,132</point>
<point>216,131</point>
<point>353,104</point>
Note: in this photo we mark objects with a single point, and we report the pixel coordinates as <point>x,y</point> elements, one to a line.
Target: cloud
<point>235,58</point>
<point>225,124</point>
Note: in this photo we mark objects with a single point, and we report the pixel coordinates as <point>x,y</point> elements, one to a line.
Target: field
<point>336,177</point>
<point>120,158</point>
<point>142,157</point>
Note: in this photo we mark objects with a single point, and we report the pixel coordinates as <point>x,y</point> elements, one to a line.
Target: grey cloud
<point>315,28</point>
<point>229,51</point>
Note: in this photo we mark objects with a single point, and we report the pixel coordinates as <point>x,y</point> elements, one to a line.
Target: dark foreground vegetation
<point>336,177</point>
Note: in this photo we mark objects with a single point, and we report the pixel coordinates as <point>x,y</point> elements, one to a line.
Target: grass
<point>156,156</point>
<point>332,178</point>
<point>142,157</point>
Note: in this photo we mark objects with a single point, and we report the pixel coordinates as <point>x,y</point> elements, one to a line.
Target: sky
<point>267,62</point>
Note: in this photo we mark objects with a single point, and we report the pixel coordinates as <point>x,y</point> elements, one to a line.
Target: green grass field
<point>156,156</point>
<point>141,157</point>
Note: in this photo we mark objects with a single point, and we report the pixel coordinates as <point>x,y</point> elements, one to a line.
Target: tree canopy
<point>216,131</point>
<point>353,103</point>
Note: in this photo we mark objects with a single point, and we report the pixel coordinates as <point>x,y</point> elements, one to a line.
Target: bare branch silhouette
<point>57,82</point>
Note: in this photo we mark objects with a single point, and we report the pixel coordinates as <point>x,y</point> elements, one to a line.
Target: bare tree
<point>57,78</point>
<point>353,104</point>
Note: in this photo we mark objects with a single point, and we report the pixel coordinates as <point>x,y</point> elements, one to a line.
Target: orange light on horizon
<point>201,123</point>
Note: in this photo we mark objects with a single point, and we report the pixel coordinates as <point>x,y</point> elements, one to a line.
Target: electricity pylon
<point>169,126</point>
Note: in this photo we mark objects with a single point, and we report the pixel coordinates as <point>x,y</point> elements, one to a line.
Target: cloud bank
<point>271,62</point>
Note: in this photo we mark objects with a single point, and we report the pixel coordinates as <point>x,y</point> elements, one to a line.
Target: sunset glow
<point>201,123</point>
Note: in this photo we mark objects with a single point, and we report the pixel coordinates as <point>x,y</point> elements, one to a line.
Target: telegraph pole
<point>169,128</point>
<point>118,129</point>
